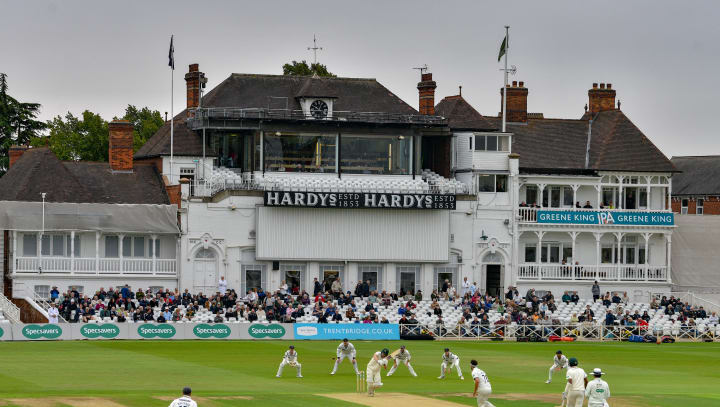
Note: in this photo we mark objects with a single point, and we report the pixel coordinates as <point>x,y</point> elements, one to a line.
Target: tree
<point>76,138</point>
<point>145,123</point>
<point>18,123</point>
<point>303,69</point>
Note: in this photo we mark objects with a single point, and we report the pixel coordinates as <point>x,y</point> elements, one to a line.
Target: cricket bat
<point>392,355</point>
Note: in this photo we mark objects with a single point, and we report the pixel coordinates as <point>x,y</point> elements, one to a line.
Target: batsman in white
<point>560,362</point>
<point>576,383</point>
<point>345,350</point>
<point>402,356</point>
<point>597,391</point>
<point>378,360</point>
<point>482,385</point>
<point>185,400</point>
<point>290,358</point>
<point>450,360</point>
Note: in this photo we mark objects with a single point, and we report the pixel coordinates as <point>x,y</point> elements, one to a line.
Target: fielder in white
<point>576,383</point>
<point>345,350</point>
<point>560,362</point>
<point>482,385</point>
<point>290,358</point>
<point>450,360</point>
<point>378,360</point>
<point>185,400</point>
<point>404,357</point>
<point>597,391</point>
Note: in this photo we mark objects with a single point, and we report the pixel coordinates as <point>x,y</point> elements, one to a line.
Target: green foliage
<point>145,123</point>
<point>77,138</point>
<point>18,122</point>
<point>303,69</point>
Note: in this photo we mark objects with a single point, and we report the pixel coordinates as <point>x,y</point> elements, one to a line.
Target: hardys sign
<point>619,218</point>
<point>362,200</point>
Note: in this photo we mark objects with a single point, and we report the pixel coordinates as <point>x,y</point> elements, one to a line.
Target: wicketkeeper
<point>290,358</point>
<point>345,350</point>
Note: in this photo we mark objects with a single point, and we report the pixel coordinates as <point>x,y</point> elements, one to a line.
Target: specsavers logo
<point>1,333</point>
<point>307,331</point>
<point>209,331</point>
<point>93,331</point>
<point>150,331</point>
<point>47,331</point>
<point>271,331</point>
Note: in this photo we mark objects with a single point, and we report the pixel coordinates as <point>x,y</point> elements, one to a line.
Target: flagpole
<point>507,46</point>
<point>172,110</point>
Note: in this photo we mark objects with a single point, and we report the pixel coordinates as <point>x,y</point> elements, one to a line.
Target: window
<point>550,253</point>
<point>641,255</point>
<point>69,249</point>
<point>134,246</point>
<point>492,143</point>
<point>156,251</point>
<point>138,246</point>
<point>45,243</point>
<point>29,245</point>
<point>409,279</point>
<point>77,288</point>
<point>253,277</point>
<point>294,276</point>
<point>643,199</point>
<point>567,254</point>
<point>607,254</point>
<point>684,207</point>
<point>301,152</point>
<point>127,246</point>
<point>57,245</point>
<point>375,154</point>
<point>444,276</point>
<point>42,291</point>
<point>568,197</point>
<point>330,273</point>
<point>699,206</point>
<point>492,183</point>
<point>608,195</point>
<point>111,246</point>
<point>470,141</point>
<point>373,274</point>
<point>531,193</point>
<point>551,194</point>
<point>530,254</point>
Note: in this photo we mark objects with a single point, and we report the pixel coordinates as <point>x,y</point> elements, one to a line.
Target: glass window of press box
<point>299,152</point>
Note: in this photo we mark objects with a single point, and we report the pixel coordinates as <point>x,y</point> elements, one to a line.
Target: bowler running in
<point>185,400</point>
<point>560,362</point>
<point>482,385</point>
<point>450,360</point>
<point>378,360</point>
<point>576,383</point>
<point>345,350</point>
<point>290,358</point>
<point>402,356</point>
<point>597,391</point>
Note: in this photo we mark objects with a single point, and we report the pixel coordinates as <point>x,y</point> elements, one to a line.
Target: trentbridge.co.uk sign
<point>361,200</point>
<point>619,218</point>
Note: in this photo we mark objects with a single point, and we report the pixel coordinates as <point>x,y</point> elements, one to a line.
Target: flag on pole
<point>171,54</point>
<point>503,47</point>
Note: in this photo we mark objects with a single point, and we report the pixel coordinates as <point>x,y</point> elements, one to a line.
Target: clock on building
<point>319,109</point>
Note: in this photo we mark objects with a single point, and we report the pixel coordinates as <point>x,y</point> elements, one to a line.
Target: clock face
<point>319,109</point>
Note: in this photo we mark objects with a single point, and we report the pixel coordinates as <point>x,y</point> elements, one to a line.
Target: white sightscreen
<point>353,234</point>
<point>695,258</point>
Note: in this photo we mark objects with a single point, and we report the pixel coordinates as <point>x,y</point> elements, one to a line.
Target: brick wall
<point>426,89</point>
<point>516,102</point>
<point>121,145</point>
<point>15,152</point>
<point>711,204</point>
<point>601,98</point>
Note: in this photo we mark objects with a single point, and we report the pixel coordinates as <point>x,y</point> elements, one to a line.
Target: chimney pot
<point>514,84</point>
<point>595,86</point>
<point>521,84</point>
<point>194,68</point>
<point>120,145</point>
<point>609,85</point>
<point>193,81</point>
<point>426,90</point>
<point>601,99</point>
<point>602,86</point>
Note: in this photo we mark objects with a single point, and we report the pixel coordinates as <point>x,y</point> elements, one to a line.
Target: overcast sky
<point>663,57</point>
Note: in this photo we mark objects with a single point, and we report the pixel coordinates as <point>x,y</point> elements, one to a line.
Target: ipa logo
<point>93,331</point>
<point>47,331</point>
<point>208,331</point>
<point>260,331</point>
<point>163,331</point>
<point>307,331</point>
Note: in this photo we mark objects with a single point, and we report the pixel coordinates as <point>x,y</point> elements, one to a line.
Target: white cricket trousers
<point>285,363</point>
<point>483,394</point>
<point>373,379</point>
<point>406,363</point>
<point>575,398</point>
<point>340,359</point>
<point>445,366</point>
<point>554,368</point>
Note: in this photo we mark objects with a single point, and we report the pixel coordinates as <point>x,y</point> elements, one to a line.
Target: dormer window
<point>319,109</point>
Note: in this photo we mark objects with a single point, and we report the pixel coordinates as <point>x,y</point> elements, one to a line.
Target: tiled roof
<point>461,115</point>
<point>40,171</point>
<point>185,141</point>
<point>700,175</point>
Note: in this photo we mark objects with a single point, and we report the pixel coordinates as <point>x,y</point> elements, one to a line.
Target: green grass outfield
<point>140,373</point>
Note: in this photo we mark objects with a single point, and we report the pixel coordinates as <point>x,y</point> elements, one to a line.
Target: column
<point>154,255</point>
<point>598,189</point>
<point>647,193</point>
<point>120,252</point>
<point>668,237</point>
<point>618,236</point>
<point>538,254</point>
<point>97,252</point>
<point>598,238</point>
<point>573,235</point>
<point>620,204</point>
<point>667,199</point>
<point>14,252</point>
<point>647,258</point>
<point>574,188</point>
<point>72,251</point>
<point>541,189</point>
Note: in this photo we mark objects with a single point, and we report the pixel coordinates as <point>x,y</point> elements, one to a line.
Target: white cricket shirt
<point>578,378</point>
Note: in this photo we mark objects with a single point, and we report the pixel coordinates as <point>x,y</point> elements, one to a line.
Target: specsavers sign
<point>619,218</point>
<point>355,200</point>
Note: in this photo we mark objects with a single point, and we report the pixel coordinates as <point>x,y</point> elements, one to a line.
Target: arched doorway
<point>494,265</point>
<point>205,271</point>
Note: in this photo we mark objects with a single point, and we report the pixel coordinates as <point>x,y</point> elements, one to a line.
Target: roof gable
<point>461,115</point>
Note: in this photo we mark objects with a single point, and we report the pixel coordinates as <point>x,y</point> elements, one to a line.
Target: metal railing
<point>202,117</point>
<point>44,303</point>
<point>603,272</point>
<point>10,310</point>
<point>580,332</point>
<point>85,266</point>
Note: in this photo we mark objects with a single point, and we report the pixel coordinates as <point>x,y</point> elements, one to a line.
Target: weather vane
<point>314,49</point>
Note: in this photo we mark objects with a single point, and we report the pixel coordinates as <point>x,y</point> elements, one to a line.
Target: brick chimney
<point>426,89</point>
<point>121,145</point>
<point>15,152</point>
<point>194,79</point>
<point>602,98</point>
<point>516,102</point>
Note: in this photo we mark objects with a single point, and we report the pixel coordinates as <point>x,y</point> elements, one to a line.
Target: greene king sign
<point>354,200</point>
<point>163,331</point>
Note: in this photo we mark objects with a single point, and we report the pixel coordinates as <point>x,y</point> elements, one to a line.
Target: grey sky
<point>662,56</point>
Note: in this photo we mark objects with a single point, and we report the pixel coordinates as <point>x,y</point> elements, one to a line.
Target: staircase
<point>9,310</point>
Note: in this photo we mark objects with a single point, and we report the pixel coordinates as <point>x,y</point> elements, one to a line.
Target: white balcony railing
<point>529,215</point>
<point>603,272</point>
<point>85,266</point>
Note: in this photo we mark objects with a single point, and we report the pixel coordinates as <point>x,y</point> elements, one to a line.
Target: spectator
<point>317,287</point>
<point>54,294</point>
<point>595,289</point>
<point>222,285</point>
<point>53,313</point>
<point>336,287</point>
<point>218,318</point>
